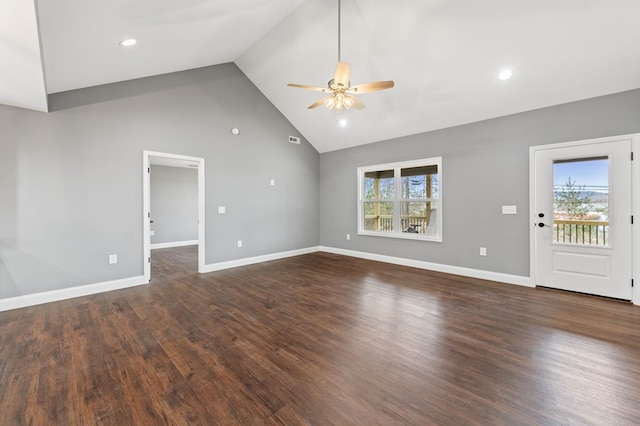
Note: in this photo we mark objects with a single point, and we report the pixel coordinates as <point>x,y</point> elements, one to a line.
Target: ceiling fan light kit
<point>340,92</point>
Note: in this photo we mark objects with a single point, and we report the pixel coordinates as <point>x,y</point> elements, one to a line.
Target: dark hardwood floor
<point>320,339</point>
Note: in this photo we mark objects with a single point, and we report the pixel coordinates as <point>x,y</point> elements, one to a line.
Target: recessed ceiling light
<point>235,131</point>
<point>505,75</point>
<point>128,42</point>
<point>343,122</point>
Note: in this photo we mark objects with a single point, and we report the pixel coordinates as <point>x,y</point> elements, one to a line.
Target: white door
<point>582,217</point>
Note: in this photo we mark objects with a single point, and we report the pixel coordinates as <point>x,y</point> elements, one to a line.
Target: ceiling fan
<point>340,92</point>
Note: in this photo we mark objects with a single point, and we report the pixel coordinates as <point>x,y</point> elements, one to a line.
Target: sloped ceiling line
<point>444,55</point>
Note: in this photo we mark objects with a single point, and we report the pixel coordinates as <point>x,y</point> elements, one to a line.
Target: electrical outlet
<point>239,243</point>
<point>222,209</point>
<point>483,251</point>
<point>152,233</point>
<point>348,236</point>
<point>113,259</point>
<point>273,182</point>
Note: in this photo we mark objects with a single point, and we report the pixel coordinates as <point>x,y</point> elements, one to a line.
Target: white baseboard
<point>86,290</point>
<point>438,267</point>
<point>68,293</point>
<point>456,270</point>
<point>174,244</point>
<point>257,259</point>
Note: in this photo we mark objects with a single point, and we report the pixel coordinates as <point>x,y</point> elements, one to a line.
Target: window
<point>401,200</point>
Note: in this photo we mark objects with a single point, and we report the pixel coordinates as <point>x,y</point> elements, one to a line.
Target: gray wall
<point>71,179</point>
<point>174,204</point>
<point>485,166</point>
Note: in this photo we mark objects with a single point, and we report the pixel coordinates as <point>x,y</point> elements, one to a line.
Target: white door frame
<point>635,208</point>
<point>635,191</point>
<point>146,207</point>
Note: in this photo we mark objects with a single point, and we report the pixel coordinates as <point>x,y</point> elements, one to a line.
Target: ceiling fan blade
<point>304,86</point>
<point>357,103</point>
<point>372,87</point>
<point>316,104</point>
<point>343,74</point>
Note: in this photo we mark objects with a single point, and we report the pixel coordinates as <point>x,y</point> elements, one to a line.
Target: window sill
<point>402,235</point>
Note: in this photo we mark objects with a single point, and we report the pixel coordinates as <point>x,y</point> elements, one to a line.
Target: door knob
<point>540,214</point>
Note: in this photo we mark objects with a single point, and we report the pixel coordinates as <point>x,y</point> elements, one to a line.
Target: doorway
<point>172,160</point>
<point>582,216</point>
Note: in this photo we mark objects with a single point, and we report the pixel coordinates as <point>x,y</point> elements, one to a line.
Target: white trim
<point>438,267</point>
<point>69,293</point>
<point>258,259</point>
<point>174,244</point>
<point>533,264</point>
<point>146,206</point>
<point>614,138</point>
<point>455,270</point>
<point>86,290</point>
<point>402,235</point>
<point>635,209</point>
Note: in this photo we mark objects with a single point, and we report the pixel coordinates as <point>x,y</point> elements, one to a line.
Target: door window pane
<point>581,201</point>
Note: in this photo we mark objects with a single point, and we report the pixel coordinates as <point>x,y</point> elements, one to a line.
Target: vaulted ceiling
<point>444,55</point>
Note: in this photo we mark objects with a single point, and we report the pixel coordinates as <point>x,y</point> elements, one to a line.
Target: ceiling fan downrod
<point>339,29</point>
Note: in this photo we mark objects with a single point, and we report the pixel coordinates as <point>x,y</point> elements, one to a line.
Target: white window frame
<point>397,167</point>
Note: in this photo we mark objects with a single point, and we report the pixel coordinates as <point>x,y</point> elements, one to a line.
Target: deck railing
<point>587,232</point>
<point>411,224</point>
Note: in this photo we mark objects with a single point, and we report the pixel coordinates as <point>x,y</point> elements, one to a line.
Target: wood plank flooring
<point>320,339</point>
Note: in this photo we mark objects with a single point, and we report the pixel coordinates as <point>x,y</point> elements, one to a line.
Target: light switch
<point>113,259</point>
<point>509,210</point>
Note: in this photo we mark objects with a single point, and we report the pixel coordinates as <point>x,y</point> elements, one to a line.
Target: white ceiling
<point>21,73</point>
<point>444,55</point>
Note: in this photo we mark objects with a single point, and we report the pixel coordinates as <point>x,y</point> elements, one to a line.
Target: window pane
<point>581,201</point>
<point>369,188</point>
<point>418,217</point>
<point>378,216</point>
<point>379,185</point>
<point>414,187</point>
<point>419,182</point>
<point>435,187</point>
